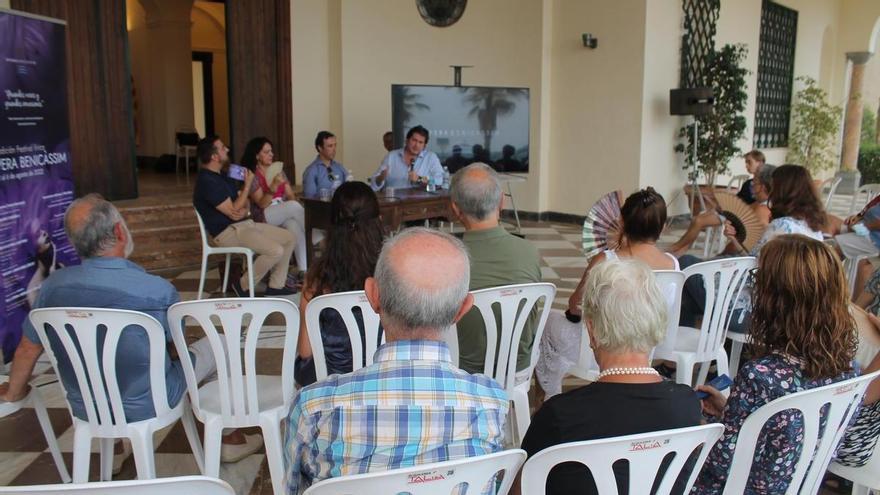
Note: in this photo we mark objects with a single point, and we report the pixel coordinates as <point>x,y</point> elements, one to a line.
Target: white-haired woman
<point>625,314</point>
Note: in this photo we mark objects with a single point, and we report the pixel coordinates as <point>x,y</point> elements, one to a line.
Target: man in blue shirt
<point>409,166</point>
<point>107,279</point>
<point>324,172</point>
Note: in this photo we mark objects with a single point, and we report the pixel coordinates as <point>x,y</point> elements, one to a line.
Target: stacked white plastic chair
<point>96,370</point>
<point>645,453</point>
<point>240,397</point>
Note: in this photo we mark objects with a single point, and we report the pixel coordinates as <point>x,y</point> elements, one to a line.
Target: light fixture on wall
<point>589,40</point>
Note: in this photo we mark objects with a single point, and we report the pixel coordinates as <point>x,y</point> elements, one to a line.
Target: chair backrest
<point>839,401</point>
<point>645,452</point>
<point>671,283</point>
<point>737,181</point>
<point>181,485</point>
<point>239,394</point>
<point>831,184</point>
<point>93,358</point>
<point>515,303</point>
<point>869,191</point>
<point>344,303</point>
<point>723,280</point>
<point>440,478</point>
<point>206,245</point>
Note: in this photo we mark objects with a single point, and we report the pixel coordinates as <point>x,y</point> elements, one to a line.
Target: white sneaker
<point>237,452</point>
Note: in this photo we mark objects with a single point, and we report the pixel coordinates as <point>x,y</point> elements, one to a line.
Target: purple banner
<point>36,181</point>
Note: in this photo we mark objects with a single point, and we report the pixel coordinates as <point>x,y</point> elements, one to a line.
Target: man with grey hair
<point>412,405</point>
<point>497,258</point>
<point>107,279</point>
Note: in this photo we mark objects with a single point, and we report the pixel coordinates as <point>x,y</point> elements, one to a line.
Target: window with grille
<point>698,40</point>
<point>775,75</point>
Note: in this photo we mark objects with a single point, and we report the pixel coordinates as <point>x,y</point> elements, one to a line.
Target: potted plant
<point>719,132</point>
<point>814,127</point>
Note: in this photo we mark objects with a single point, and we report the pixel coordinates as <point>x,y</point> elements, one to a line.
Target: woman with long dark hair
<point>273,201</point>
<point>350,252</point>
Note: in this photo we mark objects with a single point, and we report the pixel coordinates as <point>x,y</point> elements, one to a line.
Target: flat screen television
<point>466,124</point>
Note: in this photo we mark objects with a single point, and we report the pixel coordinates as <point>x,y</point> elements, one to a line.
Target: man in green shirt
<point>497,258</point>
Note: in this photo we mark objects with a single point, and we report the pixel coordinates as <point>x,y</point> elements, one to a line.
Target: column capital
<point>858,58</point>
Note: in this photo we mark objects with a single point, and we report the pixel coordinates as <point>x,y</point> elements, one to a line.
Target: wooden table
<point>405,205</point>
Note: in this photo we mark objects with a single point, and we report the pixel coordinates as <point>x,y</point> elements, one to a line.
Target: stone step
<point>170,254</point>
<point>160,231</point>
<point>169,214</point>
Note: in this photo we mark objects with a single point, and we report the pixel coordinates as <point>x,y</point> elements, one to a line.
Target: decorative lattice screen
<point>698,41</point>
<point>775,75</point>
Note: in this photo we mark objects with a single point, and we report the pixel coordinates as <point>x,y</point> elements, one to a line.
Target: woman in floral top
<point>797,344</point>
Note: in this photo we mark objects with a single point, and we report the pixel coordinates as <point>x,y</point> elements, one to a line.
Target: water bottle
<point>446,178</point>
<point>336,183</point>
<point>431,186</point>
<point>349,177</point>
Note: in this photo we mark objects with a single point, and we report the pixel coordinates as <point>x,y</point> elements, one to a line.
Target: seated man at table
<point>324,172</point>
<point>497,258</point>
<point>225,210</point>
<point>106,279</point>
<point>410,166</point>
<point>412,405</point>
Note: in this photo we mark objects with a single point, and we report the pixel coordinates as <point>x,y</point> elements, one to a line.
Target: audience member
<point>456,160</point>
<point>507,163</point>
<point>861,238</point>
<point>625,315</point>
<point>349,257</point>
<point>274,203</point>
<point>412,165</point>
<point>225,209</point>
<point>497,258</point>
<point>643,217</point>
<point>388,141</point>
<point>796,345</point>
<point>107,279</point>
<point>412,405</point>
<point>754,161</point>
<point>324,172</point>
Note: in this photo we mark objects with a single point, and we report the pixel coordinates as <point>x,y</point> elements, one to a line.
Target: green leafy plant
<point>869,127</point>
<point>869,163</point>
<point>719,132</point>
<point>814,128</point>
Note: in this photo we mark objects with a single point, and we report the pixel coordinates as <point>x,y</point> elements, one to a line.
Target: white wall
<point>208,34</point>
<point>4,4</point>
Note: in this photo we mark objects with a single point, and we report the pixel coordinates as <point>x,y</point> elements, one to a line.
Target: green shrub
<point>869,164</point>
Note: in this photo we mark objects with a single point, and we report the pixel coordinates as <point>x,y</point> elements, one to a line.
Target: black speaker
<point>691,101</point>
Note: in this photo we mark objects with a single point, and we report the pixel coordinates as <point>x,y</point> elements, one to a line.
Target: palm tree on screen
<point>408,102</point>
<point>488,105</point>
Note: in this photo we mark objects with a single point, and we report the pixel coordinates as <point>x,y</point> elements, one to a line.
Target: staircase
<point>165,236</point>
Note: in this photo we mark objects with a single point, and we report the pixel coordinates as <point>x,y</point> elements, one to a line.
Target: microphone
<point>412,164</point>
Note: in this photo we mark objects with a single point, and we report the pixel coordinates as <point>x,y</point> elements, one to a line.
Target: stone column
<point>852,127</point>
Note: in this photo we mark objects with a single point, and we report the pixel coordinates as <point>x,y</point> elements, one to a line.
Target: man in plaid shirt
<point>412,405</point>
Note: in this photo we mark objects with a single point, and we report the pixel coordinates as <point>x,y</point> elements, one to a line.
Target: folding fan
<point>273,170</point>
<point>742,217</point>
<point>602,225</point>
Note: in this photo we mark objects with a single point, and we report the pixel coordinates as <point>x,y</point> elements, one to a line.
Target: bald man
<point>497,258</point>
<point>412,405</point>
<point>106,279</point>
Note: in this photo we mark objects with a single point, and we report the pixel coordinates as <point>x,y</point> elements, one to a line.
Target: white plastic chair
<point>35,400</point>
<point>831,185</point>
<point>439,478</point>
<point>645,453</point>
<point>239,397</point>
<point>842,400</point>
<point>185,141</point>
<point>864,478</point>
<point>201,485</point>
<point>94,371</point>
<point>688,346</point>
<point>344,303</point>
<point>737,181</point>
<point>671,283</point>
<point>509,299</point>
<point>869,191</point>
<point>208,250</point>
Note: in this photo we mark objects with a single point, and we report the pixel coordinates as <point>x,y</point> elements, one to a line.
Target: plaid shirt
<point>410,407</point>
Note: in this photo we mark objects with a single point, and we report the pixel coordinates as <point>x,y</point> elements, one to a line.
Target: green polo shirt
<point>497,258</point>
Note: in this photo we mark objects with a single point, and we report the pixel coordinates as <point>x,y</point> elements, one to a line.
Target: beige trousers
<point>272,245</point>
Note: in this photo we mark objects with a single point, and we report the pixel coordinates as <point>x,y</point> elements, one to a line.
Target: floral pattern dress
<point>757,383</point>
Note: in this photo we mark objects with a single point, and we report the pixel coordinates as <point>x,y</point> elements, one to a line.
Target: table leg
<point>515,212</point>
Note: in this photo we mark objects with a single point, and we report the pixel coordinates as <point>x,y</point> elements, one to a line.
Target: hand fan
<point>742,217</point>
<point>602,225</point>
<point>273,170</point>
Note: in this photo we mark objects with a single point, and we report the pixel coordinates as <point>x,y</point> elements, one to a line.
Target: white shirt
<point>426,165</point>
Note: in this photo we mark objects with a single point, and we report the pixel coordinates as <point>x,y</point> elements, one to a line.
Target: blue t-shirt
<point>872,215</point>
<point>114,283</point>
<point>212,189</point>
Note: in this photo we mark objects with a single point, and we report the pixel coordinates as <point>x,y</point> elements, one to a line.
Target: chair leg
<point>144,455</point>
<point>82,452</point>
<point>250,269</point>
<point>106,458</point>
<point>213,434</point>
<point>192,435</point>
<point>49,433</point>
<point>684,371</point>
<point>202,276</point>
<point>274,451</point>
<point>735,352</point>
<point>703,374</point>
<point>226,274</point>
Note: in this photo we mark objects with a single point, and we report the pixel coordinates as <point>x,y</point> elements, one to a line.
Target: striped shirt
<point>411,406</point>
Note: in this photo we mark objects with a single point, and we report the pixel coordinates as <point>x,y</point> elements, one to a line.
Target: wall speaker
<point>691,101</point>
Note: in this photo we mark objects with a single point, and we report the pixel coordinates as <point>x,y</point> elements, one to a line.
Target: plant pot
<point>708,196</point>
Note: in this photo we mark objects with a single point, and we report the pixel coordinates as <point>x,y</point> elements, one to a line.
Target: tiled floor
<point>23,456</point>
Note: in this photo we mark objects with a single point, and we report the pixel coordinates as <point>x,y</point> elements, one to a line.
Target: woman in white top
<point>643,217</point>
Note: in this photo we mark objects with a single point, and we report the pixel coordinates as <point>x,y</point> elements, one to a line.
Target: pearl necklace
<point>628,371</point>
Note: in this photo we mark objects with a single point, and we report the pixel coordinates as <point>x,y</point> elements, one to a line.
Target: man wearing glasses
<point>324,172</point>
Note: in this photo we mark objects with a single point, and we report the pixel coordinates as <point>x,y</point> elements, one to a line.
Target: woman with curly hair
<point>797,345</point>
<point>349,256</point>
